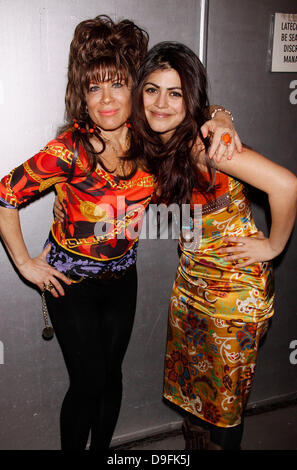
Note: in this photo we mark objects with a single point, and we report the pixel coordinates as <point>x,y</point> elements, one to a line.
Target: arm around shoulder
<point>278,182</point>
<point>258,171</point>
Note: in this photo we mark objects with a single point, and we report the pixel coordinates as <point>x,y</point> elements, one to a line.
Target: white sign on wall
<point>284,48</point>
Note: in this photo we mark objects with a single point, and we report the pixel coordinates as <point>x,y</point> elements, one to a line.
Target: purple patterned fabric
<point>73,265</point>
<point>3,203</point>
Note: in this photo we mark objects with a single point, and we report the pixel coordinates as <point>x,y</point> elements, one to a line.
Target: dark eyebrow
<point>157,86</point>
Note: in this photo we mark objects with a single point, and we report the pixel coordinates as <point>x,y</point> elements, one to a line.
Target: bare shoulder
<point>255,169</point>
<point>248,158</point>
<point>240,157</point>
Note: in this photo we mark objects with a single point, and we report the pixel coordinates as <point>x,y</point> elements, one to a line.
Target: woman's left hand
<point>217,127</point>
<point>249,249</point>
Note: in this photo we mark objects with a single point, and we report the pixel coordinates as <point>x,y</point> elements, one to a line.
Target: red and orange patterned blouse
<point>103,213</point>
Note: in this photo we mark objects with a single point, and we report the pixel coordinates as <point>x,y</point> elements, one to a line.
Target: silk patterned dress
<point>217,314</point>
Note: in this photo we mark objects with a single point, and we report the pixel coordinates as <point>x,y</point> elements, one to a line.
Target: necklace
<point>119,162</point>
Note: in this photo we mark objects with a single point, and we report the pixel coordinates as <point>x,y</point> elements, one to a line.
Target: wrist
<point>275,247</point>
<point>21,261</point>
<point>219,111</point>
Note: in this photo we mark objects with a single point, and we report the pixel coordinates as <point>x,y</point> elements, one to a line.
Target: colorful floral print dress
<point>217,315</point>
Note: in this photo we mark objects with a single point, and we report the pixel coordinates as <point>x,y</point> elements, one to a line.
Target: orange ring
<point>226,138</point>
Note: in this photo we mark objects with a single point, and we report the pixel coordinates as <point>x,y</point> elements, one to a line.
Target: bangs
<point>106,70</point>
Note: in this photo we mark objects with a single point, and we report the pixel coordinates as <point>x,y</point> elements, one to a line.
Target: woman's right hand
<point>249,250</point>
<point>40,273</point>
<point>58,210</point>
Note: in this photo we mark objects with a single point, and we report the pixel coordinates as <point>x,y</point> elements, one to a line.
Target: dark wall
<point>33,378</point>
<point>237,53</point>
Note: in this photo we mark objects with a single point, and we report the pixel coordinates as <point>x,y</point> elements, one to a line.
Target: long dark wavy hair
<point>101,50</point>
<point>174,163</point>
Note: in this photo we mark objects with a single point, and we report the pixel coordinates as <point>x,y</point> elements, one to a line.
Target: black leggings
<point>93,324</point>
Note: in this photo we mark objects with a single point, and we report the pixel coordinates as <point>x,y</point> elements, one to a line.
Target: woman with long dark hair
<point>174,164</point>
<point>223,293</point>
<point>87,272</point>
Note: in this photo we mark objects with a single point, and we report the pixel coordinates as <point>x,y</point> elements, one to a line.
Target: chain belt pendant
<point>48,331</point>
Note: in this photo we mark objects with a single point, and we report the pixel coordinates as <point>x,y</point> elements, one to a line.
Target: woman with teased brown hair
<point>87,271</point>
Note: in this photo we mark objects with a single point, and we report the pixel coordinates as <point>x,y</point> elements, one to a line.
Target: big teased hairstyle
<point>174,163</point>
<point>101,50</point>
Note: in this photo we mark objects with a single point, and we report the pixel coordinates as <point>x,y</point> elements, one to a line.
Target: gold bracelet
<point>223,111</point>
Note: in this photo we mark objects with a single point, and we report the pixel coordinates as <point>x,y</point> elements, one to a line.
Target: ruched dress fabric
<point>218,313</point>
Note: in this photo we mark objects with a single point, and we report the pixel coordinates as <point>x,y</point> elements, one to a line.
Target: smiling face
<point>109,103</point>
<point>163,102</point>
